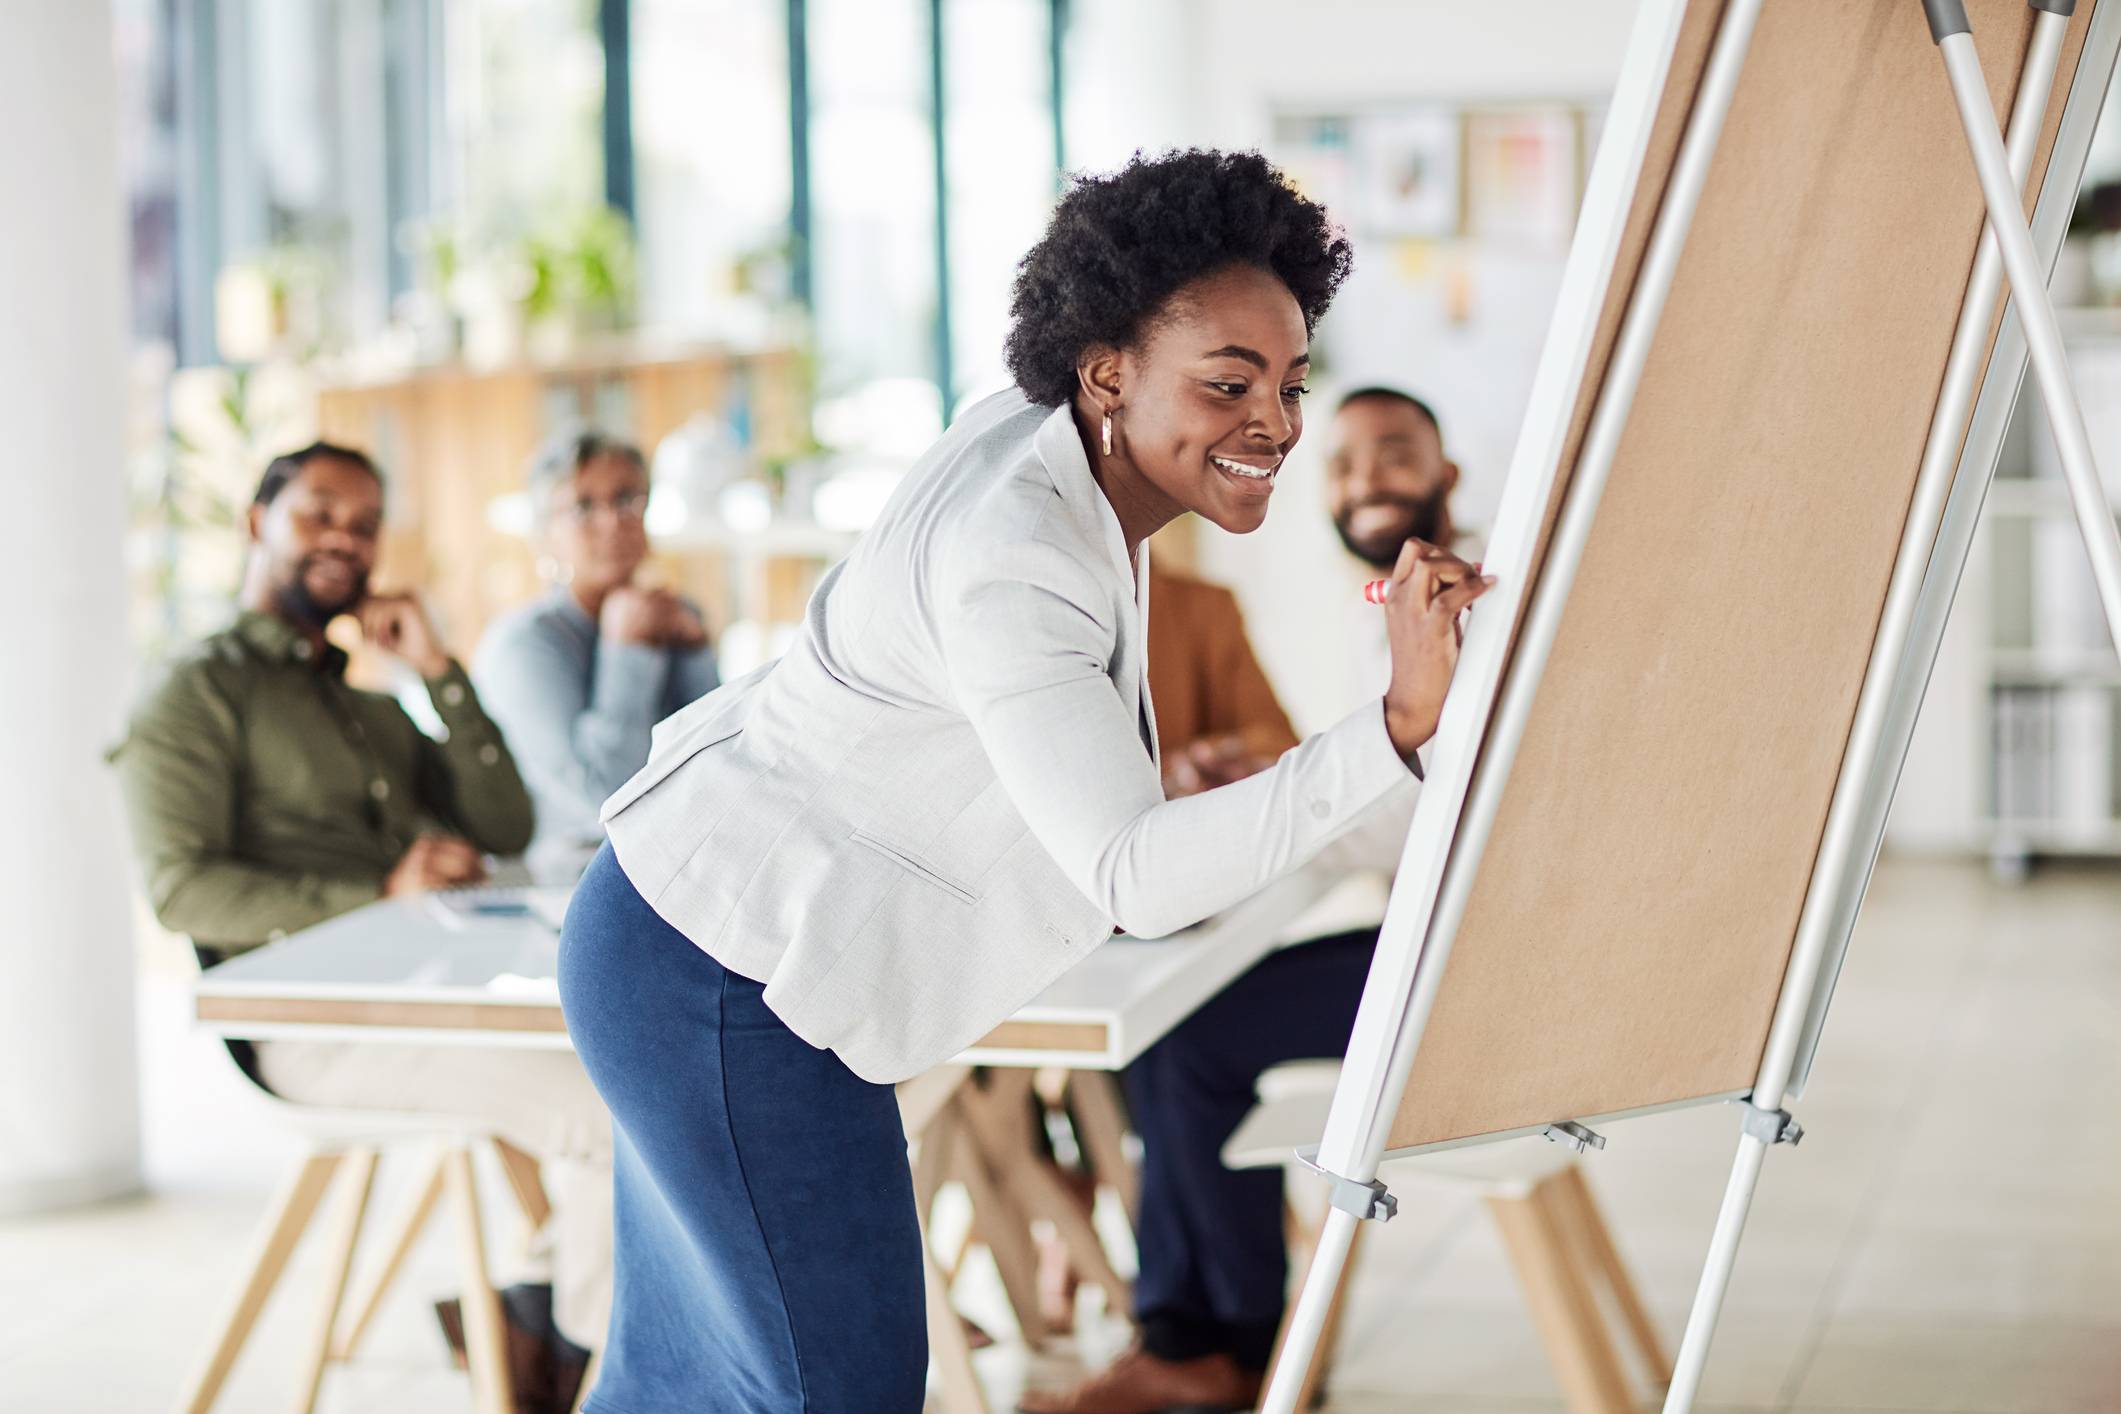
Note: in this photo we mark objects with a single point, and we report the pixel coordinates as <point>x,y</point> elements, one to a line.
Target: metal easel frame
<point>1957,464</point>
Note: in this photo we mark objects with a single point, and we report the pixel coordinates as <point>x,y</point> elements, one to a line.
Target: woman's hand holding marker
<point>1428,589</point>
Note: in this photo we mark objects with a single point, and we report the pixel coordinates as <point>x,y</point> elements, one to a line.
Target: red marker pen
<point>1376,590</point>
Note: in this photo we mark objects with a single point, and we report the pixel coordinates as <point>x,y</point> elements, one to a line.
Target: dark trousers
<point>1214,1267</point>
<point>767,1253</point>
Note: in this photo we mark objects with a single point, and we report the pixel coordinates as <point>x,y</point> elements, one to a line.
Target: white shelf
<point>2007,721</point>
<point>2039,667</point>
<point>2055,837</point>
<point>2025,496</point>
<point>2009,590</point>
<point>2091,323</point>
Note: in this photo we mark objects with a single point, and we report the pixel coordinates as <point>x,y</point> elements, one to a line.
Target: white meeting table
<point>396,971</point>
<point>415,971</point>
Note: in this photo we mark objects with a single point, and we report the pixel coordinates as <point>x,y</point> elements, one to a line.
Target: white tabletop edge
<point>1162,982</point>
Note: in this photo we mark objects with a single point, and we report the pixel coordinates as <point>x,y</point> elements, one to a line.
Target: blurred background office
<point>769,243</point>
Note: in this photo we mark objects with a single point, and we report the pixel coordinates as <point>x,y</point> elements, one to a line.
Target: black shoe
<point>545,1368</point>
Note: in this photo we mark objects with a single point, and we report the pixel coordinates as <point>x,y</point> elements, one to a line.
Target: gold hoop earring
<point>1107,439</point>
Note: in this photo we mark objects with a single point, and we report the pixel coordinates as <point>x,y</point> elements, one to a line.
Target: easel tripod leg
<point>1716,1274</point>
<point>2036,312</point>
<point>1314,1304</point>
<point>2001,179</point>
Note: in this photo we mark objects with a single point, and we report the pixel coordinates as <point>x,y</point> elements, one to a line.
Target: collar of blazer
<point>1060,451</point>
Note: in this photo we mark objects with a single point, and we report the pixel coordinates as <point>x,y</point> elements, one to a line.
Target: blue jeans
<point>767,1251</point>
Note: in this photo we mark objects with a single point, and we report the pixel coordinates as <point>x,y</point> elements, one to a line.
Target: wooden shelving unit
<point>454,441</point>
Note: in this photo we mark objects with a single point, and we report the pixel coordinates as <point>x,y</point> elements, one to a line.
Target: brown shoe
<point>1141,1383</point>
<point>450,1315</point>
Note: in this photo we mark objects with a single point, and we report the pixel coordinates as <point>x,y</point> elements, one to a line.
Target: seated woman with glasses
<point>578,679</point>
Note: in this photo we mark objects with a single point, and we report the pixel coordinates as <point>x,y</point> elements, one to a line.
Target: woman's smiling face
<point>1211,399</point>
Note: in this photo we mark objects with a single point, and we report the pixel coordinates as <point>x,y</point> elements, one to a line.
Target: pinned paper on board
<point>1522,181</point>
<point>1407,169</point>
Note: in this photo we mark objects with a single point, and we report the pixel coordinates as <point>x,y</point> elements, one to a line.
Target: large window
<point>711,161</point>
<point>884,308</point>
<point>322,160</point>
<point>303,143</point>
<point>525,90</point>
<point>872,171</point>
<point>288,141</point>
<point>998,138</point>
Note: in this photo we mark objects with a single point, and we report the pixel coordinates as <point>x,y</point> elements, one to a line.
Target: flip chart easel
<point>1756,446</point>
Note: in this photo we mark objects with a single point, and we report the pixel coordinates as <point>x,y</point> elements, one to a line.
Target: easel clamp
<point>1771,1126</point>
<point>1576,1136</point>
<point>1364,1200</point>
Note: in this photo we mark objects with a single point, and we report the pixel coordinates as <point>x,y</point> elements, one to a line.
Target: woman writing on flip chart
<point>844,868</point>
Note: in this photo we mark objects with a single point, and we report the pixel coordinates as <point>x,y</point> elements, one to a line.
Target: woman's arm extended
<point>1027,652</point>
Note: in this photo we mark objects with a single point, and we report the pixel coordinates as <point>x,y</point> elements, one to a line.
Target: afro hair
<point>1120,246</point>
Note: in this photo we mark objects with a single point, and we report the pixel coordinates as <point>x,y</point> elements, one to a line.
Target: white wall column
<point>69,1093</point>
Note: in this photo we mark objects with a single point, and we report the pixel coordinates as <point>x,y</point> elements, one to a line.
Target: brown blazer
<point>1202,675</point>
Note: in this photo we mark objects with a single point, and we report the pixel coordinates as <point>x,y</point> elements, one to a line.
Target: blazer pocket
<point>655,772</point>
<point>919,868</point>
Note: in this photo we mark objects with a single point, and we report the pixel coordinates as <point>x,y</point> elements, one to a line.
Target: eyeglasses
<point>632,506</point>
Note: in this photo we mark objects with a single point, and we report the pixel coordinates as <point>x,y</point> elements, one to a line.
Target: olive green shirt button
<point>489,754</point>
<point>379,788</point>
<point>453,695</point>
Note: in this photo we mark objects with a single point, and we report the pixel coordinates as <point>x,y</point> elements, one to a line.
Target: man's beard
<point>304,609</point>
<point>1424,522</point>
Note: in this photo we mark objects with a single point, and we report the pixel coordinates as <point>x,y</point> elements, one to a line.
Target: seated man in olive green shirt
<point>266,794</point>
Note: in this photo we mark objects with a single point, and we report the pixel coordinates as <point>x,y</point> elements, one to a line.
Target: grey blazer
<point>946,793</point>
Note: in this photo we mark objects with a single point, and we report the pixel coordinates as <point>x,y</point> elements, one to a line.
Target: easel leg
<point>1308,1320</point>
<point>1715,1275</point>
<point>2000,173</point>
<point>2036,312</point>
<point>1329,1338</point>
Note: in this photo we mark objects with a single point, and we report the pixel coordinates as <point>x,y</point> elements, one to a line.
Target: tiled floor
<point>1947,1238</point>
